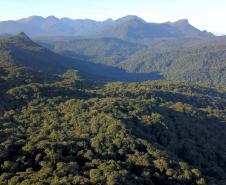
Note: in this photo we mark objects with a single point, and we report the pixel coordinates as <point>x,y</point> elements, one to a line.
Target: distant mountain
<point>137,29</point>
<point>52,26</point>
<point>129,27</point>
<point>21,51</point>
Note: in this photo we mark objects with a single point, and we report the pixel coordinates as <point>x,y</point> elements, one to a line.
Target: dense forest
<point>193,61</point>
<point>66,121</point>
<point>64,130</point>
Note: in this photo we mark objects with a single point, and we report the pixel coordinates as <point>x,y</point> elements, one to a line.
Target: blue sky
<point>204,14</point>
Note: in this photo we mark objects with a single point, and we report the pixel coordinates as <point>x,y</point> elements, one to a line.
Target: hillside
<point>108,51</point>
<point>192,60</point>
<point>22,51</point>
<point>199,61</point>
<point>58,130</point>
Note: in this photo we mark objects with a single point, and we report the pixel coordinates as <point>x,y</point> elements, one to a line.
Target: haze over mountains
<point>128,27</point>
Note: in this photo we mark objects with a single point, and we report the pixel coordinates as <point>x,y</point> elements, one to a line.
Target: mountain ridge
<point>53,26</point>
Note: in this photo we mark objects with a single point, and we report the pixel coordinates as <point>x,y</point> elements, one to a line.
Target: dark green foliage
<point>62,128</point>
<point>108,51</point>
<point>191,60</point>
<point>22,51</point>
<point>55,130</point>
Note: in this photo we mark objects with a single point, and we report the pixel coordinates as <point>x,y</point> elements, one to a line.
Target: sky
<point>204,14</point>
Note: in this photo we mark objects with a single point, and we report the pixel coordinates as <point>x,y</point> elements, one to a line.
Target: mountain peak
<point>21,38</point>
<point>109,20</point>
<point>22,35</point>
<point>34,18</point>
<point>130,18</point>
<point>182,21</point>
<point>52,18</point>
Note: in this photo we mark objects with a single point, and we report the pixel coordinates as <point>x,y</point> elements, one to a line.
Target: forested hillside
<point>198,61</point>
<point>108,51</point>
<point>64,130</point>
<point>191,60</point>
<point>22,51</point>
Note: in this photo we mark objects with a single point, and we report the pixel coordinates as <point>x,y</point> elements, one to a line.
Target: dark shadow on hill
<point>44,60</point>
<point>201,101</point>
<point>109,73</point>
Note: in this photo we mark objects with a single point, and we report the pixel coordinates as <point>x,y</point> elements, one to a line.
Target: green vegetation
<point>60,130</point>
<point>201,61</point>
<point>187,60</point>
<point>108,51</point>
<point>22,51</point>
<point>59,127</point>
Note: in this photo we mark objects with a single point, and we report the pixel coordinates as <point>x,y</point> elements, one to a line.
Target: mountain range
<point>128,27</point>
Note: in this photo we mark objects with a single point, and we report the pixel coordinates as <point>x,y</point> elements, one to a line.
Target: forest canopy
<point>64,130</point>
